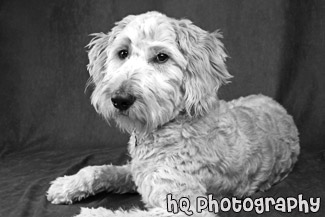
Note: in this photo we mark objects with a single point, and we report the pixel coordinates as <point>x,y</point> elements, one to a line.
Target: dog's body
<point>158,77</point>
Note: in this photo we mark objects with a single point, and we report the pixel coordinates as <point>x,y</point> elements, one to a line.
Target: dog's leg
<point>161,190</point>
<point>89,181</point>
<point>155,212</point>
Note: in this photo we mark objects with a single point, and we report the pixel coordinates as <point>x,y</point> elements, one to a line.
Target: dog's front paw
<point>66,189</point>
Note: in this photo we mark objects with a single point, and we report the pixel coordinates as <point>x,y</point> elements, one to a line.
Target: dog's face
<point>150,68</point>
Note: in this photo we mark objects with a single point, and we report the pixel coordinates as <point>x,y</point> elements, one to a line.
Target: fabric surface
<point>49,129</point>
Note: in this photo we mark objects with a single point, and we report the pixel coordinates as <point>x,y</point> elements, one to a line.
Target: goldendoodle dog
<point>158,78</point>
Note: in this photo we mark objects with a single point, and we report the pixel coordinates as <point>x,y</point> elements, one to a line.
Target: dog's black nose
<point>122,101</point>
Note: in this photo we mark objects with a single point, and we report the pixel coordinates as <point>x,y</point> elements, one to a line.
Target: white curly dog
<point>158,78</point>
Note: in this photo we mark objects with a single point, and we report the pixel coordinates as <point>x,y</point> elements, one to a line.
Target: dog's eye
<point>122,54</point>
<point>161,58</point>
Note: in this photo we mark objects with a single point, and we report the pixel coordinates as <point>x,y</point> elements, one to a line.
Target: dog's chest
<point>172,151</point>
<point>154,148</point>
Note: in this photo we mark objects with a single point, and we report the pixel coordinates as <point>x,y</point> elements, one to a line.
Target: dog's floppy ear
<point>98,50</point>
<point>206,69</point>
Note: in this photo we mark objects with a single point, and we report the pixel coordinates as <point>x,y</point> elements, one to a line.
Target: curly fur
<point>184,140</point>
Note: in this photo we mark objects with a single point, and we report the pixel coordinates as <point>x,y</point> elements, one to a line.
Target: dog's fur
<point>184,140</point>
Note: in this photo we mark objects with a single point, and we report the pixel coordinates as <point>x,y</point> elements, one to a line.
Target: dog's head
<point>151,68</point>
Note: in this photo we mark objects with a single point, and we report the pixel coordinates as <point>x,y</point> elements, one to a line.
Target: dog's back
<point>262,139</point>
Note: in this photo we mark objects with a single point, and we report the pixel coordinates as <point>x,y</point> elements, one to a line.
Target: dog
<point>158,78</point>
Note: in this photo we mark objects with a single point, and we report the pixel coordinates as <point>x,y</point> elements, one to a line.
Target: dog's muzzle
<point>122,100</point>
